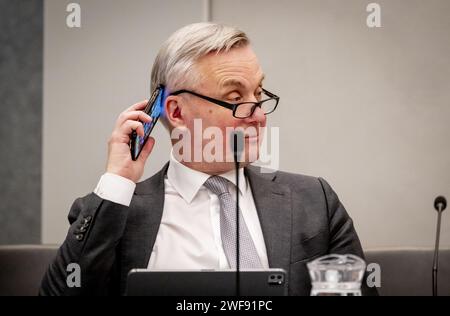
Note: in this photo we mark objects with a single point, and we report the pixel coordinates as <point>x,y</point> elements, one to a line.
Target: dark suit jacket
<point>301,219</point>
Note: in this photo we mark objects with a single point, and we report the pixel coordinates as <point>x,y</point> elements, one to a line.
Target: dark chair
<point>23,267</point>
<point>409,271</point>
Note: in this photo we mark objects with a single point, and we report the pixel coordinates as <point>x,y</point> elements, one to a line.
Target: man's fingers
<point>129,126</point>
<point>148,147</point>
<point>132,115</point>
<point>137,106</point>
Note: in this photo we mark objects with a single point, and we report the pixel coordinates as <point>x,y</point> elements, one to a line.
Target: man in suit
<point>182,217</point>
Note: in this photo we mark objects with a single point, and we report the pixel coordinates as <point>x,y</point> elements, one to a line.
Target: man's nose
<point>257,116</point>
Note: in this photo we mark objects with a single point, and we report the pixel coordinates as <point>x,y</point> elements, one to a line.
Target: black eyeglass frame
<point>235,106</point>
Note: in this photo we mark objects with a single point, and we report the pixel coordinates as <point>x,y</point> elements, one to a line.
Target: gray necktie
<point>248,256</point>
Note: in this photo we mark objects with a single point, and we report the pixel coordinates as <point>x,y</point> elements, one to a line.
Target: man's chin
<point>223,167</point>
<point>252,150</point>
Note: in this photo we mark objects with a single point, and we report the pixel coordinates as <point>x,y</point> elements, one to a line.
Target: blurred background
<point>368,109</point>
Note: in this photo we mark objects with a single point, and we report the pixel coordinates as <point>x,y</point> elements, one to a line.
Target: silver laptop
<point>264,282</point>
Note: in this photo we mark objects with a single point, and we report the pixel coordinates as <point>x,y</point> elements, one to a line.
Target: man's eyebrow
<point>262,79</point>
<point>238,83</point>
<point>232,82</point>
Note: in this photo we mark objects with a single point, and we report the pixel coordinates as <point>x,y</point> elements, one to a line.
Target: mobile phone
<point>153,108</point>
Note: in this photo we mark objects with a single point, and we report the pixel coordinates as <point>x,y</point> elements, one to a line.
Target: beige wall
<point>367,109</point>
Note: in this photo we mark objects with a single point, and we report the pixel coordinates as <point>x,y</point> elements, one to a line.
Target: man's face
<point>233,77</point>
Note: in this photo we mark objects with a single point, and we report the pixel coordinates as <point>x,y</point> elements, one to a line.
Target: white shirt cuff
<point>115,188</point>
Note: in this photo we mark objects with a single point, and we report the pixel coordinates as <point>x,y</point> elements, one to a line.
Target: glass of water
<point>336,275</point>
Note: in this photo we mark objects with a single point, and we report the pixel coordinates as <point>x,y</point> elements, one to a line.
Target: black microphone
<point>440,203</point>
<point>238,148</point>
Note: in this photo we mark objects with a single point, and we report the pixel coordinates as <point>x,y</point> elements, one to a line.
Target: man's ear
<point>173,106</point>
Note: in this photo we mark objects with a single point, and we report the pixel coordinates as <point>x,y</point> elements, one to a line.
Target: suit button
<point>83,229</point>
<point>87,220</point>
<point>79,237</point>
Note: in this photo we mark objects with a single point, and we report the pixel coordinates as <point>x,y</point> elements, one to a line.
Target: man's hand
<point>119,156</point>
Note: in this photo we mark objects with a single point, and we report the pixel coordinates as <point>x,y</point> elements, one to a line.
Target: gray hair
<point>173,66</point>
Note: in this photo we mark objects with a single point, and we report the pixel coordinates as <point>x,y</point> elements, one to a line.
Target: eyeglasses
<point>243,109</point>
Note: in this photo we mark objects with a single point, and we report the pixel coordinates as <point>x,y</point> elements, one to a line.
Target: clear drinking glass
<point>336,275</point>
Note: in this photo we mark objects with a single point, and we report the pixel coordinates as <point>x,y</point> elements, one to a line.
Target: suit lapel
<point>274,206</point>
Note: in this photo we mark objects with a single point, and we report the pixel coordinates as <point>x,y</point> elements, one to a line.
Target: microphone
<point>238,145</point>
<point>440,203</point>
<point>238,148</point>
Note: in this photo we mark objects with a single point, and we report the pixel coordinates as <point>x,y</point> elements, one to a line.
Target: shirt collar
<point>187,182</point>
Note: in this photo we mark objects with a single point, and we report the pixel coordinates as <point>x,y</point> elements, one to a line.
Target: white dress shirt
<point>189,235</point>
